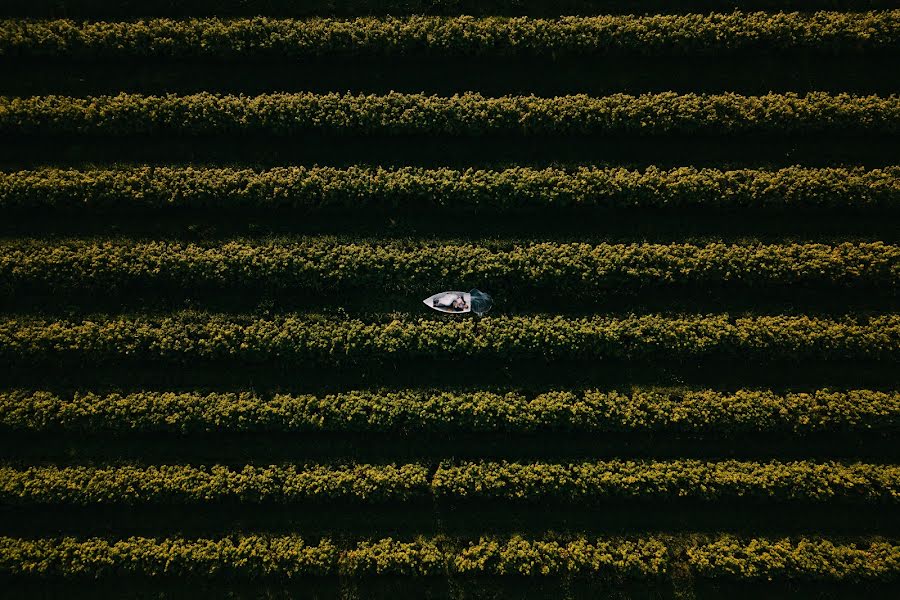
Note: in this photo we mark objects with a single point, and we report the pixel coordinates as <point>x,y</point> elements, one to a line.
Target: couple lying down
<point>453,301</point>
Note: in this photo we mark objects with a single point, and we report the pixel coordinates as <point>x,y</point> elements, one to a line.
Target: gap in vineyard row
<point>339,520</point>
<point>478,225</point>
<point>263,300</point>
<point>441,588</point>
<point>526,375</point>
<point>261,449</point>
<point>491,77</point>
<point>99,9</point>
<point>664,151</point>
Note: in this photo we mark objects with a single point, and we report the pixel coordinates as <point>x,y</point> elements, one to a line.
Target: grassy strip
<point>323,265</point>
<point>462,115</point>
<point>328,188</point>
<point>724,557</point>
<point>352,8</point>
<point>188,337</point>
<point>535,482</point>
<point>263,38</point>
<point>416,411</point>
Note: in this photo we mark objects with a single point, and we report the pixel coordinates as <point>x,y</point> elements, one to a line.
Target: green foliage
<point>246,556</point>
<point>319,265</point>
<point>468,114</point>
<point>180,484</point>
<point>518,556</point>
<point>392,557</point>
<point>816,560</point>
<point>188,337</point>
<point>668,480</point>
<point>265,38</point>
<point>410,188</point>
<point>535,482</point>
<point>417,411</point>
<point>615,559</point>
<point>287,557</point>
<point>744,411</point>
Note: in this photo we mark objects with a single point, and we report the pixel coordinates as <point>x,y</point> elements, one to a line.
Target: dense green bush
<point>263,38</point>
<point>178,484</point>
<point>816,560</point>
<point>410,188</point>
<point>418,411</point>
<point>246,556</point>
<point>517,556</point>
<point>391,557</point>
<point>324,265</point>
<point>744,411</point>
<point>188,337</point>
<point>669,480</point>
<point>535,482</point>
<point>725,557</point>
<point>467,114</point>
<point>287,557</point>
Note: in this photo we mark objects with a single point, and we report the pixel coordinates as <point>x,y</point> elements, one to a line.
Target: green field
<point>218,221</point>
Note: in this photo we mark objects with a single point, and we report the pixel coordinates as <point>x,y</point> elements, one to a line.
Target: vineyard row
<point>468,114</point>
<point>724,557</point>
<point>614,480</point>
<point>324,265</point>
<point>520,188</point>
<point>419,411</point>
<point>187,337</point>
<point>450,37</point>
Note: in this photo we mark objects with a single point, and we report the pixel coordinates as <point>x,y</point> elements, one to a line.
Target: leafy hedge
<point>264,38</point>
<point>616,558</point>
<point>321,265</point>
<point>467,114</point>
<point>178,484</point>
<point>809,559</point>
<point>642,558</point>
<point>188,337</point>
<point>247,556</point>
<point>536,482</point>
<point>287,557</point>
<point>417,411</point>
<point>352,8</point>
<point>648,480</point>
<point>520,188</point>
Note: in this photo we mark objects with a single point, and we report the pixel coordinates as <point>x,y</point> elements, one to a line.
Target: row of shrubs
<point>187,337</point>
<point>409,188</point>
<point>265,38</point>
<point>352,8</point>
<point>724,557</point>
<point>422,411</point>
<point>468,114</point>
<point>503,481</point>
<point>573,270</point>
